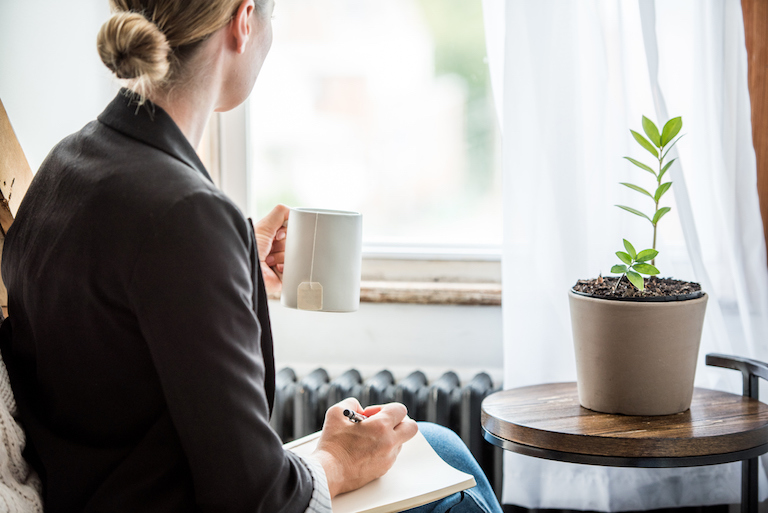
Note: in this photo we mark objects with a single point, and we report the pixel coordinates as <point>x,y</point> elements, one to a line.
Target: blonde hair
<point>147,42</point>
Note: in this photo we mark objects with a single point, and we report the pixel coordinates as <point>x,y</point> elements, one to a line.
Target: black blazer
<point>141,355</point>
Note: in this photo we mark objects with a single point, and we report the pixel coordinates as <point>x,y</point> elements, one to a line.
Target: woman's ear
<point>241,26</point>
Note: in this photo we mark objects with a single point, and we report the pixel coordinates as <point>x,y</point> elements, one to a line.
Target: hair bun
<point>133,47</point>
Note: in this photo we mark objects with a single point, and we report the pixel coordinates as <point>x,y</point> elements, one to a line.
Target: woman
<point>141,353</point>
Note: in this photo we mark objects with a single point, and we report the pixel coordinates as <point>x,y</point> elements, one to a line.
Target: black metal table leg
<point>749,474</point>
<point>750,370</point>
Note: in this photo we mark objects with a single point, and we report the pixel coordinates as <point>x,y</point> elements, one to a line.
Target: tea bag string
<point>314,240</point>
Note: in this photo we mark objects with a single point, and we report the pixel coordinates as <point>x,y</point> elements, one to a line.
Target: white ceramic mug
<point>323,258</point>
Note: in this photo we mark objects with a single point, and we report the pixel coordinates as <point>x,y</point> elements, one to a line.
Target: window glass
<point>385,108</point>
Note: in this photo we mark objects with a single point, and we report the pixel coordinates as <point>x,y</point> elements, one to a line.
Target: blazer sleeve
<point>192,290</point>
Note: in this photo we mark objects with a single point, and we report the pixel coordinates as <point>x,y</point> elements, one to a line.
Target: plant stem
<point>617,283</point>
<point>653,260</point>
<point>658,184</point>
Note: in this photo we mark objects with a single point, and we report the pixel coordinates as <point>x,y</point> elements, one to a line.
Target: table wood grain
<point>550,417</point>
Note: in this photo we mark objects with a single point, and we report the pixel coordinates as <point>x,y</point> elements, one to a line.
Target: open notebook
<point>419,476</point>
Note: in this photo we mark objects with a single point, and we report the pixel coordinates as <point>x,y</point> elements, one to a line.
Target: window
<point>383,108</point>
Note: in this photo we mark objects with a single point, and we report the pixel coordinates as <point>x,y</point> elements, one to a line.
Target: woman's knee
<point>430,430</point>
<point>452,449</point>
<point>447,444</point>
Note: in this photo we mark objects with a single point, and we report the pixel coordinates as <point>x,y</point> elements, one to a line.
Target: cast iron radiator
<point>300,405</point>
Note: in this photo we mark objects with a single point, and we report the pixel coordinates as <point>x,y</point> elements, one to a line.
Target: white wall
<point>401,338</point>
<point>52,82</point>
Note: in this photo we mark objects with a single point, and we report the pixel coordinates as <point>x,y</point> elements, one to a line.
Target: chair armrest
<point>750,370</point>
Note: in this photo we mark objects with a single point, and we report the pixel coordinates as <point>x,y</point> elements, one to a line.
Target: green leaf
<point>661,190</point>
<point>659,214</point>
<point>652,132</point>
<point>638,189</point>
<point>671,129</point>
<point>670,147</point>
<point>641,165</point>
<point>633,211</point>
<point>619,269</point>
<point>666,166</point>
<point>646,254</point>
<point>645,144</point>
<point>624,257</point>
<point>645,269</point>
<point>636,280</point>
<point>630,249</point>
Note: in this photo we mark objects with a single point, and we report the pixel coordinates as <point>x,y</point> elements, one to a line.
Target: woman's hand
<point>270,242</point>
<point>353,454</point>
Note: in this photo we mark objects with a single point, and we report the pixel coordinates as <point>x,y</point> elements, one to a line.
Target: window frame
<point>400,273</point>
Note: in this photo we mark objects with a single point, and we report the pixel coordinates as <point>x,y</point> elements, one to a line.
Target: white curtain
<point>570,80</point>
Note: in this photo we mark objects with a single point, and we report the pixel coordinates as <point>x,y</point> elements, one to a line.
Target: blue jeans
<point>451,448</point>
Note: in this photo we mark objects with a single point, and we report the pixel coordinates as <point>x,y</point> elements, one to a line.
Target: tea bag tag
<point>310,296</point>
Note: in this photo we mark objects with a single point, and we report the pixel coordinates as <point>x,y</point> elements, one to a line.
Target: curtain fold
<point>571,79</point>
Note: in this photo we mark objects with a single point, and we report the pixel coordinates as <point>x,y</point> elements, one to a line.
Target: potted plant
<point>637,339</point>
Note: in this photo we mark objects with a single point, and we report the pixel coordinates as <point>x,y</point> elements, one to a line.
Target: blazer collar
<point>151,125</point>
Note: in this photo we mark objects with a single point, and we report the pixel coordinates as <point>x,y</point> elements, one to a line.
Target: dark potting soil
<point>654,288</point>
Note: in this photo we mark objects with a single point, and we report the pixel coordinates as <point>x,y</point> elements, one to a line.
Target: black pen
<point>354,417</point>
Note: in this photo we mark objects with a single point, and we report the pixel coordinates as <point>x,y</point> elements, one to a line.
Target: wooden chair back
<point>15,177</point>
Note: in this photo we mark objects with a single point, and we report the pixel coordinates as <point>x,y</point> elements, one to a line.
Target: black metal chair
<point>750,371</point>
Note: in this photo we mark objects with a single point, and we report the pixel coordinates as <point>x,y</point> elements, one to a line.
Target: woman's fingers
<point>407,429</point>
<point>355,453</point>
<point>275,258</point>
<point>271,233</point>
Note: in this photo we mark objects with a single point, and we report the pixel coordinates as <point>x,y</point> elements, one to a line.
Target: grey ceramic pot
<point>636,357</point>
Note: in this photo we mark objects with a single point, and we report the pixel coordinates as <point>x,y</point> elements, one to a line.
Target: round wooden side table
<point>547,421</point>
